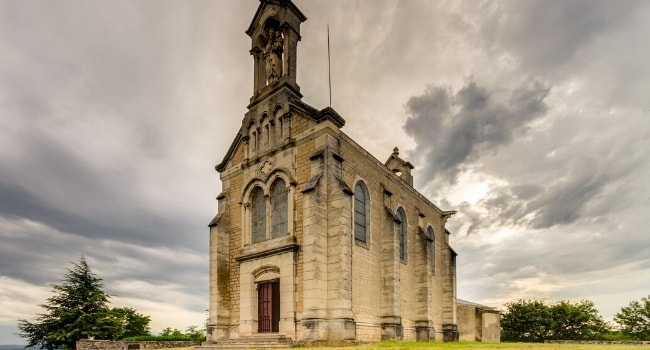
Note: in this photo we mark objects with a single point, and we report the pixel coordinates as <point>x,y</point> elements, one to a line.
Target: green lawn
<point>476,346</point>
<point>508,346</point>
<point>481,346</point>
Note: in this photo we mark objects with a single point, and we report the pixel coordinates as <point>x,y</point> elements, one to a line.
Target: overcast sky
<point>531,118</point>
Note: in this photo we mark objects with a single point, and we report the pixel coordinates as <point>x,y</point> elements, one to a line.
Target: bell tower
<point>274,33</point>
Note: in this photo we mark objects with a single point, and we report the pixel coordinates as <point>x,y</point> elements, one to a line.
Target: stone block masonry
<point>87,344</point>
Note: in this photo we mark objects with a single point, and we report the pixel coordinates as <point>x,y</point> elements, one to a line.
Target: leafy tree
<point>635,319</point>
<point>534,321</point>
<point>195,333</point>
<point>576,321</point>
<point>525,321</point>
<point>128,323</point>
<point>77,310</point>
<point>192,333</point>
<point>167,332</point>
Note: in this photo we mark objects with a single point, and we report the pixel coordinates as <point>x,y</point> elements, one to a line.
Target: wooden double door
<point>268,307</point>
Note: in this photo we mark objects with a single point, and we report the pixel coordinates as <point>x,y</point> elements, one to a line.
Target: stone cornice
<point>255,254</point>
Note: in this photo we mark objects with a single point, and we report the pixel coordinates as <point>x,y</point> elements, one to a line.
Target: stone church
<point>316,240</point>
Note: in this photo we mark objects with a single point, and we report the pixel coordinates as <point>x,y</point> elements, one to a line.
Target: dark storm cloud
<point>541,207</point>
<point>54,234</point>
<point>563,203</point>
<point>59,190</point>
<point>550,38</point>
<point>139,227</point>
<point>570,250</point>
<point>568,172</point>
<point>453,129</point>
<point>85,91</point>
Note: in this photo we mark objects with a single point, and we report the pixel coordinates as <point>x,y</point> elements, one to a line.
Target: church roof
<point>478,306</point>
<point>284,3</point>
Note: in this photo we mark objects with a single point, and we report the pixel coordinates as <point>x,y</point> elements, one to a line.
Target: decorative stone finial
<point>396,151</point>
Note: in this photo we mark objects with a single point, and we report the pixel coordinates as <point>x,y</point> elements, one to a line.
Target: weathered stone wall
<point>491,331</point>
<point>88,344</point>
<point>416,291</point>
<point>340,288</point>
<point>467,323</point>
<point>233,262</point>
<point>478,323</point>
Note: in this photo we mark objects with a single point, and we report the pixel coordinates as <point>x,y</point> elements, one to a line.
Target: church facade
<point>315,240</point>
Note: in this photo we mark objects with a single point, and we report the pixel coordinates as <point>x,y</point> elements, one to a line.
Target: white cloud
<point>20,296</point>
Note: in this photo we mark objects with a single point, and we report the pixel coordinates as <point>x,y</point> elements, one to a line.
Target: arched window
<point>279,209</point>
<point>360,213</point>
<point>432,248</point>
<point>258,215</point>
<point>401,232</point>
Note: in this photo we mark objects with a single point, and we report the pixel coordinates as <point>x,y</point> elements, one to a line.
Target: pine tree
<point>78,310</point>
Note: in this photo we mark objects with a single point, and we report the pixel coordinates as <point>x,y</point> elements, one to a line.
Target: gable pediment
<point>231,151</point>
<point>285,12</point>
<point>278,122</point>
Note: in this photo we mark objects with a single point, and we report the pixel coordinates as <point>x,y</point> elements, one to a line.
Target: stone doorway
<point>268,307</point>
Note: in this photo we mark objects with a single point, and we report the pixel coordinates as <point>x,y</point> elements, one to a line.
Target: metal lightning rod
<point>329,64</point>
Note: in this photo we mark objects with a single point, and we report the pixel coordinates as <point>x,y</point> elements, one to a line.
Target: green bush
<point>614,336</point>
<point>162,338</point>
<point>192,333</point>
<point>535,321</point>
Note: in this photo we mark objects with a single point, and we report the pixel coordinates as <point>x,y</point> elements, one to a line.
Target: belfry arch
<point>274,33</point>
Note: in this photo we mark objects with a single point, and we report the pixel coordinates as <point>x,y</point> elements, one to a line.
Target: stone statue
<point>273,56</point>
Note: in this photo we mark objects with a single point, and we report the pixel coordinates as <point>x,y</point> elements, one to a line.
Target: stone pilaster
<point>449,298</point>
<point>423,296</point>
<point>391,325</point>
<point>449,332</point>
<point>259,74</point>
<point>424,331</point>
<point>339,287</point>
<point>291,54</point>
<point>219,317</point>
<point>313,323</point>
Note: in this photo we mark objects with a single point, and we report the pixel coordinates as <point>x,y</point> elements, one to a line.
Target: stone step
<point>242,346</point>
<point>250,342</point>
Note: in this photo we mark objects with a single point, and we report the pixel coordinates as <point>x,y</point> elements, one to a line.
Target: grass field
<point>507,346</point>
<point>480,346</point>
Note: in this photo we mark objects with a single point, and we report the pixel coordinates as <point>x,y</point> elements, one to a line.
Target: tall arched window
<point>401,232</point>
<point>432,248</point>
<point>258,215</point>
<point>279,209</point>
<point>360,218</point>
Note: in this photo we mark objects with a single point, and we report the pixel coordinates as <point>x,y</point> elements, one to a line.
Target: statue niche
<point>274,33</point>
<point>273,55</point>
